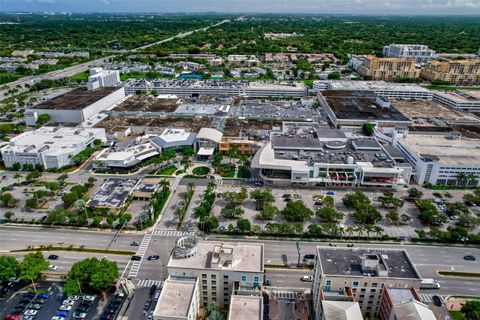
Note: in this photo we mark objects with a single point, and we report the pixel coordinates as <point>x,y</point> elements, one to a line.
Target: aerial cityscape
<point>239,160</point>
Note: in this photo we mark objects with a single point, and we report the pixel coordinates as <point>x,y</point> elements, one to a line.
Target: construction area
<point>255,129</point>
<point>148,103</point>
<point>431,113</point>
<point>191,124</point>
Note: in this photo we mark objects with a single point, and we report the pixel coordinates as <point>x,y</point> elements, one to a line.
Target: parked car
<point>90,298</point>
<point>65,307</point>
<point>68,302</point>
<point>153,289</point>
<point>79,315</point>
<point>44,296</point>
<point>267,282</point>
<point>309,257</point>
<point>31,312</point>
<point>63,314</point>
<point>58,318</point>
<point>147,304</point>
<point>74,298</point>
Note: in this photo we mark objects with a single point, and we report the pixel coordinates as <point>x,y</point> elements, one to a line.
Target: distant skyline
<point>376,7</point>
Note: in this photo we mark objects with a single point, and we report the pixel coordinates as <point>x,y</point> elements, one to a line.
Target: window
<point>365,284</point>
<point>363,290</point>
<point>255,279</point>
<point>373,290</point>
<point>213,276</point>
<point>225,277</point>
<point>214,288</point>
<point>328,283</point>
<point>371,296</point>
<point>355,284</point>
<point>244,278</point>
<point>374,285</point>
<point>204,281</point>
<point>205,293</point>
<point>204,287</point>
<point>214,282</point>
<point>204,276</point>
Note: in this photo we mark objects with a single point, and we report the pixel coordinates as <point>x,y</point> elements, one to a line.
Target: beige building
<point>403,304</point>
<point>360,275</point>
<point>222,268</point>
<point>246,308</point>
<point>461,72</point>
<point>341,310</point>
<point>179,300</point>
<point>388,69</point>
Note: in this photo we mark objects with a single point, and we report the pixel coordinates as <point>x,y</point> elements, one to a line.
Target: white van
<point>429,284</point>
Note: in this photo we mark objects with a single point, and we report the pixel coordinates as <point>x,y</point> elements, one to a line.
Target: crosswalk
<point>286,295</point>
<point>135,268</point>
<point>148,283</point>
<point>171,233</point>
<point>429,298</point>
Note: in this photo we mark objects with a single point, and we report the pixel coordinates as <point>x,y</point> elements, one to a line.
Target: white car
<point>89,298</point>
<point>64,307</point>
<point>31,312</point>
<point>52,267</point>
<point>79,315</point>
<point>307,278</point>
<point>75,298</point>
<point>68,302</point>
<point>58,318</point>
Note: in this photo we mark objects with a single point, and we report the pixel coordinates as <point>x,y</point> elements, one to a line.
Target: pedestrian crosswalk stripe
<point>148,283</point>
<point>135,268</point>
<point>289,295</point>
<point>171,233</point>
<point>429,297</point>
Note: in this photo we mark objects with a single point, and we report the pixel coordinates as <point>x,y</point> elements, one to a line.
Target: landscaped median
<point>458,274</point>
<point>77,249</point>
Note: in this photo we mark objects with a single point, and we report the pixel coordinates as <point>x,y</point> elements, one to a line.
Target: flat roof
<point>176,297</point>
<point>359,105</point>
<point>413,310</point>
<point>77,99</point>
<point>460,96</point>
<point>400,295</point>
<point>113,192</point>
<point>247,257</point>
<point>348,262</point>
<point>371,86</point>
<point>445,150</point>
<point>246,308</point>
<point>341,310</point>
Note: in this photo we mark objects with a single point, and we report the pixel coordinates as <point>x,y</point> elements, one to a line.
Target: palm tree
<point>350,230</point>
<point>340,231</point>
<point>17,176</point>
<point>471,177</point>
<point>378,231</point>
<point>359,230</point>
<point>368,230</point>
<point>461,177</point>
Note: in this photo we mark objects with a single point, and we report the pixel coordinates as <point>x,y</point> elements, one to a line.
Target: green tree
<point>471,310</point>
<point>9,267</point>
<point>353,200</point>
<point>188,151</point>
<point>244,225</point>
<point>366,214</point>
<point>468,220</point>
<point>97,142</point>
<point>334,75</point>
<point>405,218</point>
<point>7,200</point>
<point>57,216</point>
<point>414,194</point>
<point>262,197</point>
<point>8,215</point>
<point>211,223</point>
<point>232,211</point>
<point>42,119</point>
<point>388,200</point>
<point>31,267</point>
<point>296,211</point>
<point>429,214</point>
<point>33,176</point>
<point>368,129</point>
<point>94,273</point>
<point>267,213</point>
<point>69,198</point>
<point>329,214</point>
<point>393,217</point>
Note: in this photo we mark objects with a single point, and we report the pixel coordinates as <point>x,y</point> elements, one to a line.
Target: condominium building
<point>388,69</point>
<point>179,299</point>
<point>362,273</point>
<point>223,268</point>
<point>100,78</point>
<point>441,159</point>
<point>421,53</point>
<point>311,155</point>
<point>404,304</point>
<point>51,147</point>
<point>459,72</point>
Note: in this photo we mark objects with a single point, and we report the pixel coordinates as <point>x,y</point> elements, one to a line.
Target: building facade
<point>459,72</point>
<point>388,69</point>
<point>179,300</point>
<point>421,53</point>
<point>100,78</point>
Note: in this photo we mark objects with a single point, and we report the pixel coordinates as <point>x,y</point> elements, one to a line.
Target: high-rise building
<point>421,53</point>
<point>222,268</point>
<point>179,300</point>
<point>361,275</point>
<point>100,78</point>
<point>459,72</point>
<point>388,69</point>
<point>403,304</point>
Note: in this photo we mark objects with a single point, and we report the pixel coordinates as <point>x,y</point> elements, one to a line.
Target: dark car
<point>39,300</point>
<point>147,304</point>
<point>437,301</point>
<point>153,289</point>
<point>44,295</point>
<point>154,257</point>
<point>35,306</point>
<point>267,282</point>
<point>318,203</point>
<point>134,244</point>
<point>136,258</point>
<point>470,258</point>
<point>52,257</point>
<point>309,257</point>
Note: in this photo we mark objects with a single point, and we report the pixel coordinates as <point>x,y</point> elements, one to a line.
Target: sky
<point>389,7</point>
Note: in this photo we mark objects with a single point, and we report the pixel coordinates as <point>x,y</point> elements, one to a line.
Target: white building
<point>221,268</point>
<point>179,300</point>
<point>421,53</point>
<point>175,138</point>
<point>207,142</point>
<point>439,159</point>
<point>51,147</point>
<point>468,100</point>
<point>100,78</point>
<point>310,155</point>
<point>217,87</point>
<point>246,308</point>
<point>125,157</point>
<point>340,310</point>
<point>381,88</point>
<point>76,106</point>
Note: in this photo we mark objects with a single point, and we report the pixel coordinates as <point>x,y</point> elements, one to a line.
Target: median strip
<point>459,274</point>
<point>78,249</point>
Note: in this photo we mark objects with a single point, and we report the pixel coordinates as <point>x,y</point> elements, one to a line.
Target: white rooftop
<point>246,308</point>
<point>446,150</point>
<point>371,86</point>
<point>413,310</point>
<point>460,96</point>
<point>171,135</point>
<point>175,299</point>
<point>210,134</point>
<point>342,310</point>
<point>246,257</point>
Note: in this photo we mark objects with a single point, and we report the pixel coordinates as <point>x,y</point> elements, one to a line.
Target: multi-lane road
<point>428,259</point>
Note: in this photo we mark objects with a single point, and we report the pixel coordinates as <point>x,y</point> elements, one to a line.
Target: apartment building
<point>340,310</point>
<point>179,299</point>
<point>100,78</point>
<point>441,159</point>
<point>403,304</point>
<point>421,53</point>
<point>361,275</point>
<point>459,72</point>
<point>388,69</point>
<point>222,268</point>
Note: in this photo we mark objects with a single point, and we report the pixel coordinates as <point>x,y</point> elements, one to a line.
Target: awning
<point>205,151</point>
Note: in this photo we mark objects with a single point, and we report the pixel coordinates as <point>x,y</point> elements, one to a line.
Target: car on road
<point>52,257</point>
<point>309,257</point>
<point>437,301</point>
<point>153,257</point>
<point>469,258</point>
<point>52,267</point>
<point>136,258</point>
<point>134,243</point>
<point>267,282</point>
<point>147,304</point>
<point>306,278</point>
